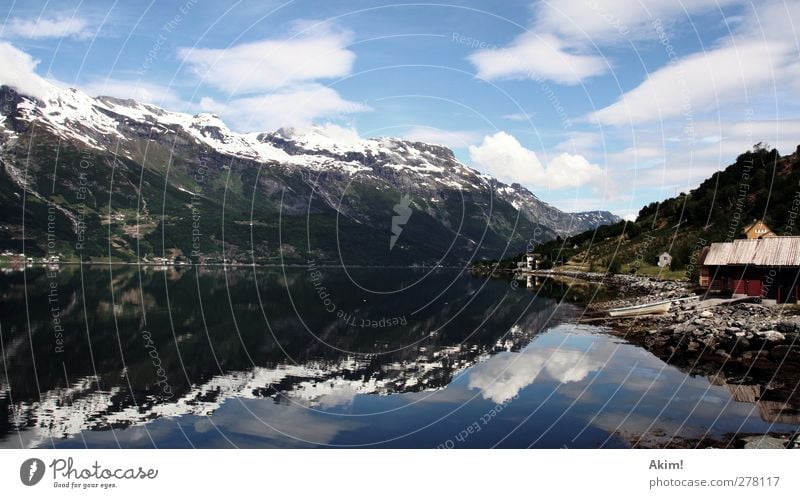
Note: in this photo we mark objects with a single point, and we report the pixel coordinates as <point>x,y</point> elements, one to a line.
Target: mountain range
<point>106,179</point>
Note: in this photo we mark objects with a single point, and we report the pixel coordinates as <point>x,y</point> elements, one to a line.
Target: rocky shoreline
<point>734,329</point>
<point>738,331</point>
<point>748,347</point>
<point>632,289</point>
<point>727,327</point>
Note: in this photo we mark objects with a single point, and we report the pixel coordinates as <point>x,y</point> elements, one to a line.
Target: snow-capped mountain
<point>563,223</point>
<point>343,187</point>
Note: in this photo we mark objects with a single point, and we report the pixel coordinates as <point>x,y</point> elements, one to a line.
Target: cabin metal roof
<point>772,251</point>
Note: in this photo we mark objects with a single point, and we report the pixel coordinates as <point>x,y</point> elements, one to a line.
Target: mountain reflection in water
<point>108,357</point>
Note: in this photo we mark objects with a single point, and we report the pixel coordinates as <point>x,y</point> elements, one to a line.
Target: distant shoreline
<point>232,265</point>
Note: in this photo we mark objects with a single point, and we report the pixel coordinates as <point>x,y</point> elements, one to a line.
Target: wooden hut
<point>766,267</point>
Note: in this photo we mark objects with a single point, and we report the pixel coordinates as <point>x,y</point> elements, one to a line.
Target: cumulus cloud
<point>274,82</point>
<point>448,138</point>
<point>17,70</point>
<point>502,156</point>
<point>42,27</point>
<point>270,64</point>
<point>299,106</point>
<point>537,56</point>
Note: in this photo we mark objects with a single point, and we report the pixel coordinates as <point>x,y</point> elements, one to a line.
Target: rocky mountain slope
<point>110,179</point>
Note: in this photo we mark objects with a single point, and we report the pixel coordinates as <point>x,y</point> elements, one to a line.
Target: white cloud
<point>17,70</point>
<point>502,156</point>
<point>518,116</point>
<point>600,21</point>
<point>628,214</point>
<point>336,134</point>
<point>734,90</point>
<point>55,27</point>
<point>537,56</point>
<point>572,170</point>
<point>288,69</point>
<point>699,82</point>
<point>298,107</point>
<point>448,138</point>
<point>644,154</point>
<point>562,42</point>
<point>580,141</point>
<point>504,376</point>
<point>273,63</point>
<point>777,18</point>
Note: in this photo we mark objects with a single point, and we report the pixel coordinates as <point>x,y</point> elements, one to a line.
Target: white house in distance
<point>664,260</point>
<point>532,261</point>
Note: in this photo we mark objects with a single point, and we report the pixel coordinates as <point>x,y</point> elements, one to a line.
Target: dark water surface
<point>129,357</point>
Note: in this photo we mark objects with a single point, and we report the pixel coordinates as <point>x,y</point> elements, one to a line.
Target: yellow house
<point>758,230</point>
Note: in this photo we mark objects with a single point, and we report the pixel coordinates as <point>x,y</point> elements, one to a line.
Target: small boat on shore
<point>642,309</point>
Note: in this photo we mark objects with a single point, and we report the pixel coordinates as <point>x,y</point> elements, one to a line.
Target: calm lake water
<point>202,357</point>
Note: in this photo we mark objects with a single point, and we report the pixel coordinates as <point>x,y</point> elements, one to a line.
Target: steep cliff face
<point>105,178</point>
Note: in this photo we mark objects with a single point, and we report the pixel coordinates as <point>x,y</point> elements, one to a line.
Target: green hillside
<point>759,184</point>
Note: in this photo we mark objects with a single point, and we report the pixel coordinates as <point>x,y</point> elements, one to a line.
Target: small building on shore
<point>760,267</point>
<point>664,260</point>
<point>532,260</point>
<point>758,230</point>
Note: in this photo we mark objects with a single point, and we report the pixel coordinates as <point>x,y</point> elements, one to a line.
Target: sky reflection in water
<point>478,364</point>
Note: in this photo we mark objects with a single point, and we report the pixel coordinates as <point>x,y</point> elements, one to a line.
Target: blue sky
<point>595,104</point>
